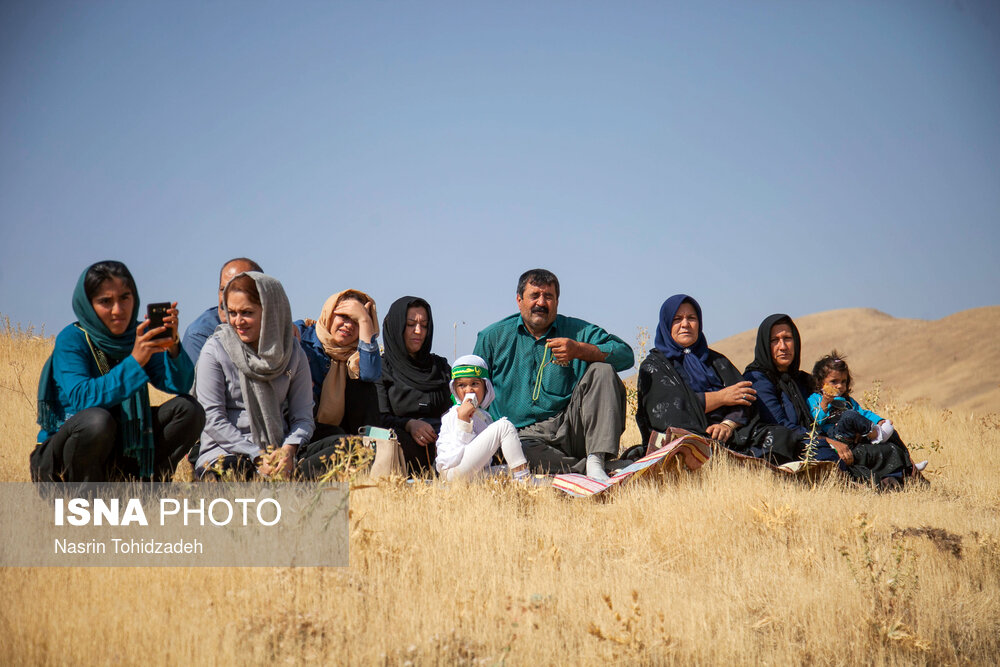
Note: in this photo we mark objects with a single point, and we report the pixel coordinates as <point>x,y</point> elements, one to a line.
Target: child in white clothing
<point>469,437</point>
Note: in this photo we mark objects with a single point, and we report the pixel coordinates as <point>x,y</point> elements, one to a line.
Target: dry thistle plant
<point>809,453</point>
<point>350,463</point>
<point>871,398</point>
<point>990,421</point>
<point>888,580</point>
<point>629,638</point>
<point>16,335</point>
<point>777,518</point>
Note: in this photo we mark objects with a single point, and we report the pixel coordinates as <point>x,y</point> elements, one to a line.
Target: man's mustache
<point>540,310</point>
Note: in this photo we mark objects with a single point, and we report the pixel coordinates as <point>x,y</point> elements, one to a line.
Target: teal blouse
<point>81,385</point>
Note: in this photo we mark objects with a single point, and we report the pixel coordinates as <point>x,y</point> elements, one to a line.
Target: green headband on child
<point>469,372</point>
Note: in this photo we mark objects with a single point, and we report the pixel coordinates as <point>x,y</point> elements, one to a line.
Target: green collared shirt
<point>514,357</point>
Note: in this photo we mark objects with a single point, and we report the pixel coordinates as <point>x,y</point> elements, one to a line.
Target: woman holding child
<point>875,454</point>
<point>93,398</point>
<point>414,391</point>
<point>255,386</point>
<point>686,385</point>
<point>344,361</point>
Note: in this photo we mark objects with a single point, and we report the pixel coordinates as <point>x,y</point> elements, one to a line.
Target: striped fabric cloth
<point>687,452</point>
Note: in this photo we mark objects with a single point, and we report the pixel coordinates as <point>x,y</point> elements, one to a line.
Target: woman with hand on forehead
<point>344,362</point>
<point>93,398</point>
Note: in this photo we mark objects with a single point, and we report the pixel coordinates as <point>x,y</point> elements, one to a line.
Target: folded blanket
<point>686,452</point>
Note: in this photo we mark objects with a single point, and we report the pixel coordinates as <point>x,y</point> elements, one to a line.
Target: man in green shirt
<point>556,380</point>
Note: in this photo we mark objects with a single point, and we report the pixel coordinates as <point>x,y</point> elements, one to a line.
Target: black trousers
<point>850,427</point>
<point>86,448</point>
<point>419,459</point>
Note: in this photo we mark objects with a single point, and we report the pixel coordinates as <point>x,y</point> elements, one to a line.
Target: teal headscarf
<point>135,424</point>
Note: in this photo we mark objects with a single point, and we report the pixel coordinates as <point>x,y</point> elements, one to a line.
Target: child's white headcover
<point>471,366</point>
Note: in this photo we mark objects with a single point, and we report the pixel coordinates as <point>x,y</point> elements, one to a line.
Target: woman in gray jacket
<point>254,384</point>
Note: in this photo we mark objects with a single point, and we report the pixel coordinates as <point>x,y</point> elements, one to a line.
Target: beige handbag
<point>389,459</point>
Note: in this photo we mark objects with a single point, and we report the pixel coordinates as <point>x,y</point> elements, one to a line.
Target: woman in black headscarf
<point>413,392</point>
<point>684,384</point>
<point>783,388</point>
<point>784,391</point>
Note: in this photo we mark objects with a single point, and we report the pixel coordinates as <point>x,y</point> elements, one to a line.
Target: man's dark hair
<point>538,278</point>
<point>254,266</point>
<point>106,270</point>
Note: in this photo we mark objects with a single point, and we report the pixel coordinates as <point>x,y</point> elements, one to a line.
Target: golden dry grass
<point>726,566</point>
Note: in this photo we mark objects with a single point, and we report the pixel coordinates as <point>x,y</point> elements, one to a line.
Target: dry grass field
<point>727,565</point>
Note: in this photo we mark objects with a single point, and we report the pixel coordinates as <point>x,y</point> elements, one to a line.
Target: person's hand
<point>265,466</point>
<point>843,451</point>
<point>145,347</point>
<point>278,462</point>
<point>741,393</point>
<point>720,432</point>
<point>172,324</point>
<point>355,310</point>
<point>422,432</point>
<point>465,411</point>
<point>564,350</point>
<point>284,461</point>
<point>829,393</point>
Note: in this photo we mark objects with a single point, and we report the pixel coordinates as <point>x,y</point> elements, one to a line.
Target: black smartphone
<point>155,312</point>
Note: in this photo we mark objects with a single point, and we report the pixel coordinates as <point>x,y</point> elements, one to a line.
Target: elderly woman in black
<point>684,384</point>
<point>784,391</point>
<point>413,392</point>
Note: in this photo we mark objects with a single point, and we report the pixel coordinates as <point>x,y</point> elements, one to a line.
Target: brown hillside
<point>953,362</point>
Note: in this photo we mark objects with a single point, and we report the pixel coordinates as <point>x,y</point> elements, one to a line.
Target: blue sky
<point>761,156</point>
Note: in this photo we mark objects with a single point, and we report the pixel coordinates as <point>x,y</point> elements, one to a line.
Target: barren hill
<point>953,362</point>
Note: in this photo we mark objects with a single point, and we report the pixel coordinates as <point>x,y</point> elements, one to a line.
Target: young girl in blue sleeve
<point>866,442</point>
<point>837,414</point>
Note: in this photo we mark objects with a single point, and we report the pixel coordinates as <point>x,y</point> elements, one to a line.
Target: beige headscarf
<point>344,361</point>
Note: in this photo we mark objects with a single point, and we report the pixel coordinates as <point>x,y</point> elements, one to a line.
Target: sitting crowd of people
<point>256,394</point>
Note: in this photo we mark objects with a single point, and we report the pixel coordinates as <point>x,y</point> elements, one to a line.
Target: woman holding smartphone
<point>255,386</point>
<point>93,398</point>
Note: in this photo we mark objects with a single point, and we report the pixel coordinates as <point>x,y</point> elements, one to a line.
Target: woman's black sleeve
<point>388,419</point>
